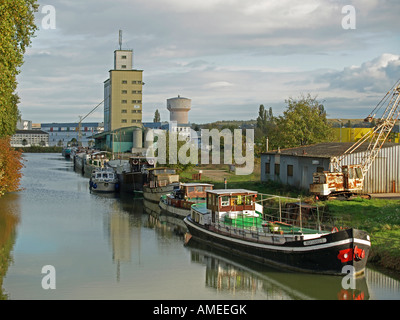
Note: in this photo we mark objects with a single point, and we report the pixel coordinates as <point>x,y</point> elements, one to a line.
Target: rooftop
<point>231,191</point>
<point>322,150</point>
<point>193,184</point>
<point>30,132</point>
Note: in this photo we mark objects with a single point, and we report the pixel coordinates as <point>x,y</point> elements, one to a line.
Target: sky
<point>227,56</point>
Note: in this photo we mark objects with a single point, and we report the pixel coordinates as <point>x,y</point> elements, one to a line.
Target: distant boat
<point>232,220</point>
<point>103,180</point>
<point>133,173</point>
<point>179,201</point>
<point>160,181</point>
<point>66,152</point>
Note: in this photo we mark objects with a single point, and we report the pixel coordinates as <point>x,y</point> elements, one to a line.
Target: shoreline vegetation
<point>39,149</point>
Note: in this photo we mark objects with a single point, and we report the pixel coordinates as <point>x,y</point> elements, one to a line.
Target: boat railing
<point>279,215</point>
<point>257,234</point>
<point>296,212</point>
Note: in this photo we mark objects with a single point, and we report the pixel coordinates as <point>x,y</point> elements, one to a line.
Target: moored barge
<point>179,201</point>
<point>233,220</point>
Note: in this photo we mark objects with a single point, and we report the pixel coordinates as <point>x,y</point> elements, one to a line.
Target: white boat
<point>103,180</point>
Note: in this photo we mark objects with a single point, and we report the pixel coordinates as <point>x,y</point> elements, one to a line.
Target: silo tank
<point>137,138</point>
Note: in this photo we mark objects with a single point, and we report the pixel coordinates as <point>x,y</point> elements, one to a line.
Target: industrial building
<point>295,166</point>
<point>61,133</point>
<point>124,130</point>
<point>28,138</point>
<point>123,93</point>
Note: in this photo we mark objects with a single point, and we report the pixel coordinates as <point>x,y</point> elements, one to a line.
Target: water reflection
<point>164,223</point>
<point>123,224</point>
<point>230,274</point>
<point>9,218</point>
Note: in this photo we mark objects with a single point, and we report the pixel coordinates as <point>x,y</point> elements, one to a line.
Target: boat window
<point>207,188</point>
<point>209,203</point>
<point>224,201</point>
<point>247,200</point>
<point>105,175</point>
<point>111,175</point>
<point>190,189</point>
<point>98,175</point>
<point>239,200</point>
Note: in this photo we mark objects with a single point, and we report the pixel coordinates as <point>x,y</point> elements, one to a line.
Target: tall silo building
<point>123,93</point>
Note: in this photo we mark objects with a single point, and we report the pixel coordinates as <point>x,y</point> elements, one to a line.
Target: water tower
<point>179,108</point>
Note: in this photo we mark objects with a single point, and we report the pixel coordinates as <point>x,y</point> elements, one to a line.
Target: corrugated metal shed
<point>382,177</point>
<point>384,174</point>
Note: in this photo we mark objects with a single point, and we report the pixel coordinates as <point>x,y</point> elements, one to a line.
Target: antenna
<point>120,39</point>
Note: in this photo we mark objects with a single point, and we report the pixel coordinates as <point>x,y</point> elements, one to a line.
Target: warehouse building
<point>29,138</point>
<point>295,166</point>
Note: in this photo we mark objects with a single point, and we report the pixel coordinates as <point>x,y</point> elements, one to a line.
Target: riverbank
<point>39,149</point>
<point>380,217</point>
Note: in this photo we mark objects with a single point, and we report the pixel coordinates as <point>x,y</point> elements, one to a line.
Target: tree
<point>262,118</point>
<point>303,122</point>
<point>265,129</point>
<point>157,117</point>
<point>164,149</point>
<point>17,26</point>
<point>10,167</point>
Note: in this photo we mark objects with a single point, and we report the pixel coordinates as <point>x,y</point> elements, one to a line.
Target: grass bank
<point>379,217</point>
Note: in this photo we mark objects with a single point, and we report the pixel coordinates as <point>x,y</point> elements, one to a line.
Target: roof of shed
<point>322,150</point>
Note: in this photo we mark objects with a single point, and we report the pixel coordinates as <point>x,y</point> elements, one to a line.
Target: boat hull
<point>103,186</point>
<point>154,194</point>
<point>181,212</point>
<point>331,253</point>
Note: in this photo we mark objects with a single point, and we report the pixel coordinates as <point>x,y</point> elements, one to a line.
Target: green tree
<point>17,26</point>
<point>303,122</point>
<point>265,129</point>
<point>157,117</point>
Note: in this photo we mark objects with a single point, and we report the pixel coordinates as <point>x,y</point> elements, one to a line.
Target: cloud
<point>228,56</point>
<point>377,75</point>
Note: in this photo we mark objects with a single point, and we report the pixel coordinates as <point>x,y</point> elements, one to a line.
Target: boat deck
<point>254,223</point>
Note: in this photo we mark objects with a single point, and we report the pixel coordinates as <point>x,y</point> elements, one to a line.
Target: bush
<point>10,167</point>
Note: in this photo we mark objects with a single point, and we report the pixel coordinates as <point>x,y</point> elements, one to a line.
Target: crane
<point>347,180</point>
<point>83,118</point>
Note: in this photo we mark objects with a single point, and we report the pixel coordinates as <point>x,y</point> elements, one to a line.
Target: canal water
<point>114,247</point>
